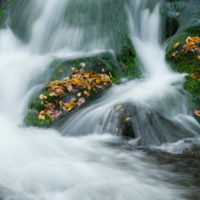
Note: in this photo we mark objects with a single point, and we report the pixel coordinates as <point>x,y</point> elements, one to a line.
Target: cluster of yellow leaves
<point>192,44</point>
<point>81,84</point>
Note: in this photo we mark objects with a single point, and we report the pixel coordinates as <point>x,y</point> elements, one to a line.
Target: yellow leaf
<point>118,107</point>
<point>87,93</point>
<point>79,94</point>
<point>43,97</point>
<point>89,87</point>
<point>60,104</point>
<point>53,94</point>
<point>41,117</point>
<point>175,53</point>
<point>127,119</point>
<point>176,45</point>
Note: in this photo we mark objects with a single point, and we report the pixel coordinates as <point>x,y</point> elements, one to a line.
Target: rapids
<point>84,160</point>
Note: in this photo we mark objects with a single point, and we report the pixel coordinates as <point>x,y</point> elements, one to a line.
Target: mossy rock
<point>179,15</point>
<point>98,21</point>
<point>170,17</point>
<point>186,63</point>
<point>118,66</point>
<point>3,13</point>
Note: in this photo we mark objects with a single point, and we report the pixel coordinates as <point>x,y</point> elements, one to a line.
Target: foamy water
<point>42,164</point>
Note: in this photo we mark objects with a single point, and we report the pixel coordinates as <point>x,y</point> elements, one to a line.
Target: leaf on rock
<point>176,45</point>
<point>79,83</point>
<point>127,119</point>
<point>43,97</point>
<point>175,53</point>
<point>60,69</point>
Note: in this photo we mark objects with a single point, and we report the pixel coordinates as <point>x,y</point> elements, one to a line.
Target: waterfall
<point>43,164</point>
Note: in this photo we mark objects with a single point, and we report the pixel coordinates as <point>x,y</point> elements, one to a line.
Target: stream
<point>83,159</point>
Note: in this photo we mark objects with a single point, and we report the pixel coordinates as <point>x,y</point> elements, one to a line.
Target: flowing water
<point>84,160</point>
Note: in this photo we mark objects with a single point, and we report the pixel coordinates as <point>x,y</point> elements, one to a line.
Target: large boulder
<point>183,51</point>
<point>73,84</point>
<point>149,125</point>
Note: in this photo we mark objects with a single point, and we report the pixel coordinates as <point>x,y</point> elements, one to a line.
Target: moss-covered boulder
<point>182,26</point>
<point>183,54</point>
<point>73,84</point>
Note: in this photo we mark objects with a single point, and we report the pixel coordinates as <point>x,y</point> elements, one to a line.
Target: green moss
<point>192,85</point>
<point>186,63</point>
<point>31,119</point>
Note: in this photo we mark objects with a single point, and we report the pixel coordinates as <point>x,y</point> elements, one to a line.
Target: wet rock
<point>187,62</point>
<point>149,125</point>
<point>179,15</point>
<point>106,66</point>
<point>184,162</point>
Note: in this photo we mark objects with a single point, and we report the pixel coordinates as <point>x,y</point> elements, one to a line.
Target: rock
<point>179,15</point>
<point>148,125</point>
<point>105,65</point>
<point>187,61</point>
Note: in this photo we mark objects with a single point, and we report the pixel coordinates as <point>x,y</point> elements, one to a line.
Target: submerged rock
<point>148,125</point>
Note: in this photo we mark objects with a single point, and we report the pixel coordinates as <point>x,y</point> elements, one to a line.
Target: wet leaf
<point>53,94</point>
<point>43,97</point>
<point>175,53</point>
<point>127,119</point>
<point>118,107</point>
<point>176,45</point>
<point>81,101</point>
<point>41,117</point>
<point>79,94</point>
<point>60,69</point>
<point>87,93</point>
<point>60,104</point>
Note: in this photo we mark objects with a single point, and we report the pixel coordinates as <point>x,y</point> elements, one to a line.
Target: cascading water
<point>37,164</point>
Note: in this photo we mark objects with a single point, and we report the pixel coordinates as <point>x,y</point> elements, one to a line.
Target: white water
<point>37,164</point>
